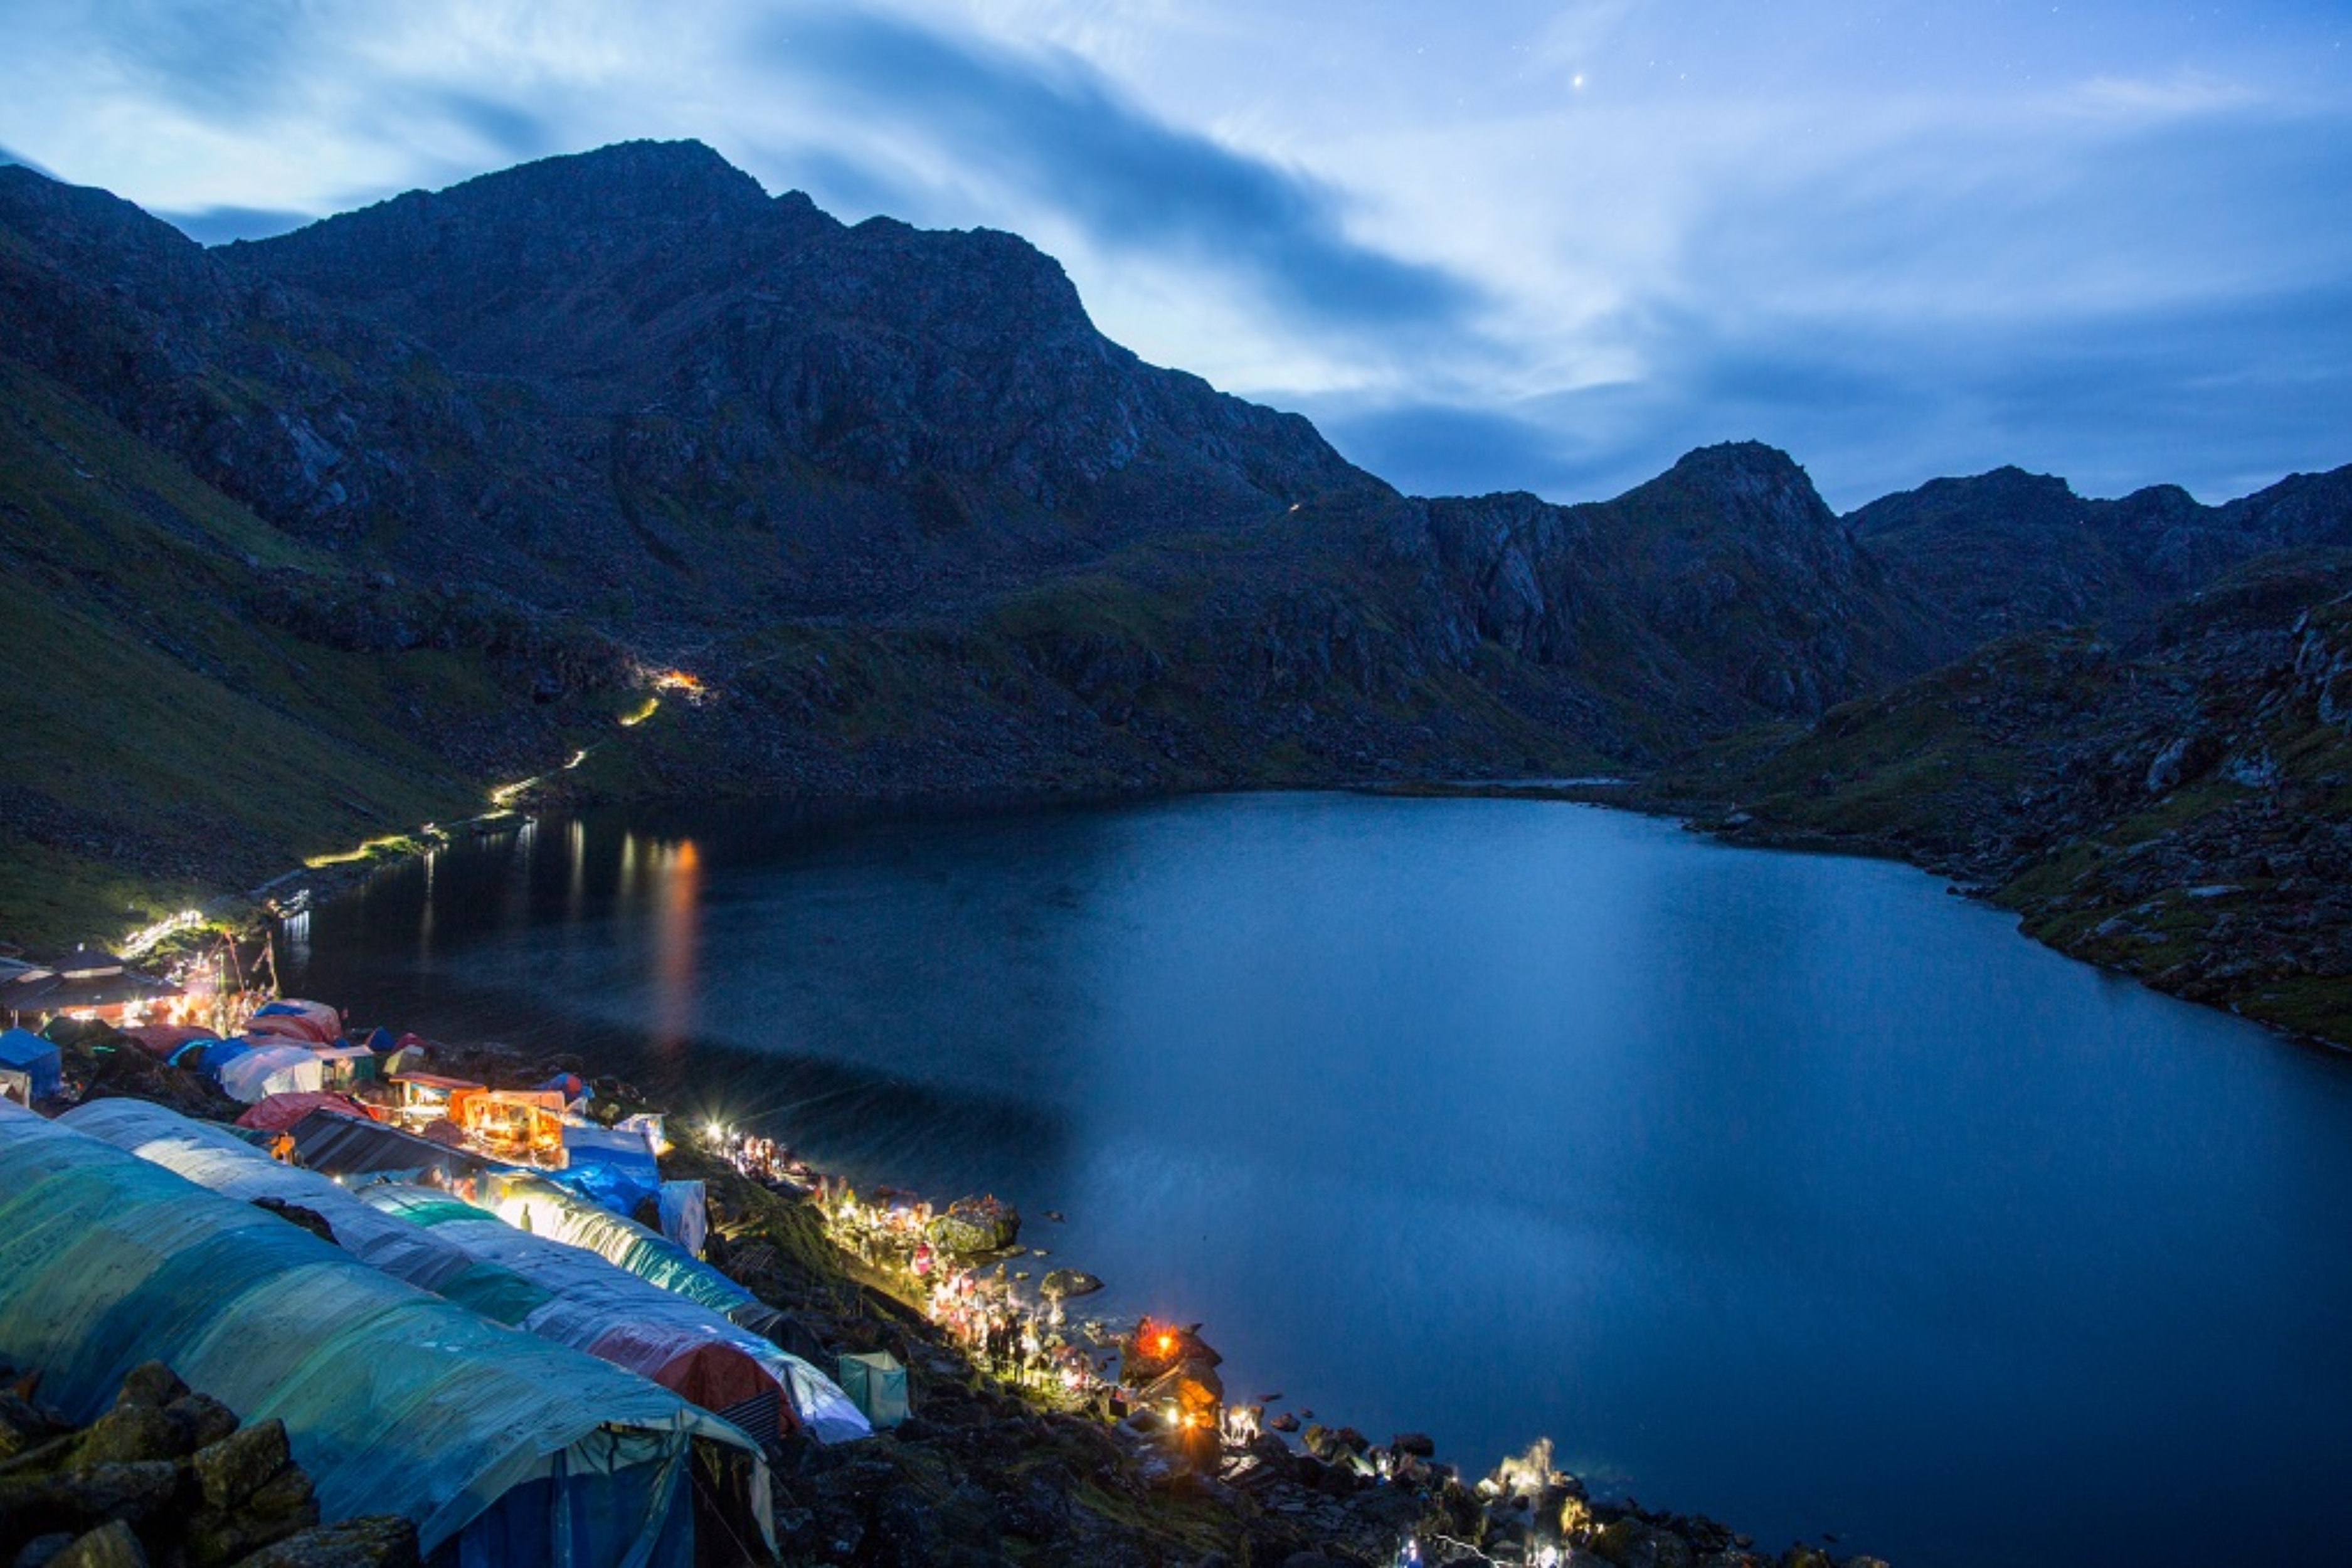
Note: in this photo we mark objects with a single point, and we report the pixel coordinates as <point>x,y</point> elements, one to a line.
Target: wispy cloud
<point>1049,130</point>
<point>1900,240</point>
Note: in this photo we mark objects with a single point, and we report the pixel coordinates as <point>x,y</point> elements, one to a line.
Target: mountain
<point>326,535</point>
<point>2009,550</point>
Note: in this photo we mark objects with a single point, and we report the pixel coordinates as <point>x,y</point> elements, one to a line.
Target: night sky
<point>1491,245</point>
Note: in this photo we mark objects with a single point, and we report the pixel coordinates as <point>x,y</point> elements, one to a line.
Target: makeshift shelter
<point>612,1166</point>
<point>685,1210</point>
<point>281,1111</point>
<point>163,1039</point>
<point>613,1314</point>
<point>87,979</point>
<point>514,1123</point>
<point>526,1198</point>
<point>425,1095</point>
<point>345,1066</point>
<point>877,1384</point>
<point>312,1021</point>
<point>425,1238</point>
<point>16,1085</point>
<point>214,1157</point>
<point>254,1075</point>
<point>36,1058</point>
<point>339,1146</point>
<point>501,1448</point>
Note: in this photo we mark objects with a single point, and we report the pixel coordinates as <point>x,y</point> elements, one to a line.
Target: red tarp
<point>708,1372</point>
<point>294,1028</point>
<point>279,1112</point>
<point>163,1039</point>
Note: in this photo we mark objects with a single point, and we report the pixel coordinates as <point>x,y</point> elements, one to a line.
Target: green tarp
<point>502,1447</point>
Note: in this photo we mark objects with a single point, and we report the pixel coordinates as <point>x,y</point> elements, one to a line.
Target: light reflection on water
<point>1780,1186</point>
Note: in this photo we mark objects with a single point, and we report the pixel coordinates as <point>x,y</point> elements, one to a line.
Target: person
<point>922,1260</point>
<point>282,1148</point>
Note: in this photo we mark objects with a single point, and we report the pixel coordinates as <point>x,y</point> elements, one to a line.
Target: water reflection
<point>1493,1118</point>
<point>675,872</point>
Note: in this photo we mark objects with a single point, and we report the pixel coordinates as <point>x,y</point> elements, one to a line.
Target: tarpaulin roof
<point>281,1111</point>
<point>429,1239</point>
<point>217,1158</point>
<point>554,1211</point>
<point>512,1448</point>
<point>34,1056</point>
<point>265,1070</point>
<point>342,1146</point>
<point>620,1316</point>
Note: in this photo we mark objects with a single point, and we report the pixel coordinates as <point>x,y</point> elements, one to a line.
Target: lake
<point>1785,1188</point>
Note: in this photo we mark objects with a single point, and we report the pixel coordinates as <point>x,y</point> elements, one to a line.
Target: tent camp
<point>431,1240</point>
<point>502,1447</point>
<point>34,1059</point>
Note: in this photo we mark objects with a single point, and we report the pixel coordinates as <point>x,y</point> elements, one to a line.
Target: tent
<point>528,1198</point>
<point>422,1236</point>
<point>266,1070</point>
<point>16,1085</point>
<point>23,1051</point>
<point>610,1167</point>
<point>163,1039</point>
<point>876,1384</point>
<point>297,1019</point>
<point>685,1212</point>
<point>501,1446</point>
<point>281,1111</point>
<point>214,1157</point>
<point>342,1146</point>
<point>343,1067</point>
<point>616,1315</point>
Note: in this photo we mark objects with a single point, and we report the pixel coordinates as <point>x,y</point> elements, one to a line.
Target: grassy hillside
<point>167,738</point>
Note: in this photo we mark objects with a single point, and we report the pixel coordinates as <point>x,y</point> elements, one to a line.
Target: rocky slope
<point>2177,804</point>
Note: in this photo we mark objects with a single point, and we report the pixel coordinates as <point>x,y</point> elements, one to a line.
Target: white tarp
<point>266,1070</point>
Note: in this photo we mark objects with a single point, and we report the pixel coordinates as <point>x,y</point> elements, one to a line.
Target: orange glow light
<point>678,680</point>
<point>1167,1343</point>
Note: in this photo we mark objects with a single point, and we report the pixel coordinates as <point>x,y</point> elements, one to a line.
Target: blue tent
<point>34,1056</point>
<point>503,1447</point>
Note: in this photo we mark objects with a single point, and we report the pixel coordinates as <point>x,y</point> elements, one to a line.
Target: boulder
<point>1419,1444</point>
<point>25,1426</point>
<point>378,1541</point>
<point>201,1420</point>
<point>1630,1543</point>
<point>1063,1284</point>
<point>81,1499</point>
<point>241,1464</point>
<point>129,1433</point>
<point>151,1383</point>
<point>109,1546</point>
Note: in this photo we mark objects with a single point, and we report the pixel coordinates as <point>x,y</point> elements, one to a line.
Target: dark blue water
<point>1785,1188</point>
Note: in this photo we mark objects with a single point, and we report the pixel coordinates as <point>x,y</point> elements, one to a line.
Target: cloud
<point>509,130</point>
<point>1055,131</point>
<point>218,226</point>
<point>231,59</point>
<point>8,155</point>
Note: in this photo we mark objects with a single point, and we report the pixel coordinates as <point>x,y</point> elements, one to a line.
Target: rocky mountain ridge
<point>439,486</point>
